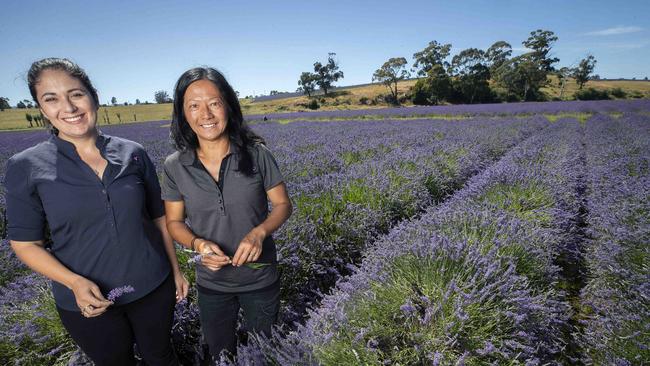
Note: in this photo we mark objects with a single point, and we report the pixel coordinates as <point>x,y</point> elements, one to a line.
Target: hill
<point>367,96</point>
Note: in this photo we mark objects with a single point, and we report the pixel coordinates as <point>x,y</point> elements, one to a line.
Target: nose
<point>68,105</point>
<point>206,113</point>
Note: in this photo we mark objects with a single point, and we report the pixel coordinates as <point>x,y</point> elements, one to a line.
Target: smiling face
<point>205,111</point>
<point>67,104</point>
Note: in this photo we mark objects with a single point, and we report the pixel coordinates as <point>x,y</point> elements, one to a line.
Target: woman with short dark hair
<point>100,198</point>
<point>220,180</point>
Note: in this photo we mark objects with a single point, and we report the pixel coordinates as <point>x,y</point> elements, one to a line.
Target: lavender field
<point>507,236</point>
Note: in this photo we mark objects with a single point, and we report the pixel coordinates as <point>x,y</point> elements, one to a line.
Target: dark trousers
<point>108,339</point>
<point>218,312</point>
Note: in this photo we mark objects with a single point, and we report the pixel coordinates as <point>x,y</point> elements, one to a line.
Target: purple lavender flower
<point>115,293</point>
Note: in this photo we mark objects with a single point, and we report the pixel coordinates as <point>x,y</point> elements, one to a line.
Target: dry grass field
<point>345,98</point>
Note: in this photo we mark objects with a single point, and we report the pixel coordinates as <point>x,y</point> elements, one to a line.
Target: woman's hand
<point>250,248</point>
<point>211,255</point>
<point>89,298</point>
<point>182,286</point>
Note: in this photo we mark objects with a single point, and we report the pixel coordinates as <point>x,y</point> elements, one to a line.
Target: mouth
<point>209,125</point>
<point>74,119</point>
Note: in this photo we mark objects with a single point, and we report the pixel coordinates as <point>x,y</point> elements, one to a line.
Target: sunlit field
<point>506,234</point>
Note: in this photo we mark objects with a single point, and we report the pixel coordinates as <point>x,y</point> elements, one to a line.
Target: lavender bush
<point>616,299</point>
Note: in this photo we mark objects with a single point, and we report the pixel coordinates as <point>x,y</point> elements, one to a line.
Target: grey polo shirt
<point>224,213</point>
<point>102,229</point>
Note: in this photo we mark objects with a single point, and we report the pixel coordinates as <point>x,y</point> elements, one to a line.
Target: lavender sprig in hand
<point>254,265</point>
<point>119,291</point>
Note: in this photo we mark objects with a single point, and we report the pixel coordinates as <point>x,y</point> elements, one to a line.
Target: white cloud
<point>615,31</point>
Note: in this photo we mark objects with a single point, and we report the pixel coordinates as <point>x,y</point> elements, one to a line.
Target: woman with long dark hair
<point>221,179</point>
<point>100,198</point>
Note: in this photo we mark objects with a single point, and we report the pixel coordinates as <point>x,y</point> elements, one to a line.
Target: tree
<point>137,101</point>
<point>434,54</point>
<point>522,76</point>
<point>563,74</point>
<point>390,73</point>
<point>307,83</point>
<point>526,74</point>
<point>161,97</point>
<point>497,54</point>
<point>113,101</point>
<point>21,105</point>
<point>471,76</point>
<point>29,119</point>
<point>433,89</point>
<point>328,73</point>
<point>541,42</point>
<point>4,104</point>
<point>584,69</point>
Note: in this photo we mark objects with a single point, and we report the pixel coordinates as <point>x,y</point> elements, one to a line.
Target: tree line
<point>471,76</point>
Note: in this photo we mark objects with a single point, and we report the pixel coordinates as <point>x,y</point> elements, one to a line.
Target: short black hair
<point>239,133</point>
<point>63,64</point>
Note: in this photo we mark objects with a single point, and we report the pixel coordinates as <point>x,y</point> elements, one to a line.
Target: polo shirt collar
<point>188,157</point>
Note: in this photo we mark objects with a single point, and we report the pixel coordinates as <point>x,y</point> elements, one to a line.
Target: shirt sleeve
<point>25,214</point>
<point>155,205</point>
<point>268,167</point>
<point>170,191</point>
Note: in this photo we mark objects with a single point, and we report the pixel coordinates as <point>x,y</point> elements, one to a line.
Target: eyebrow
<point>200,99</point>
<point>69,91</point>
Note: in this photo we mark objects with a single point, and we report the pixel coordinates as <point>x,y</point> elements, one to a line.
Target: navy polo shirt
<point>101,229</point>
<point>226,211</point>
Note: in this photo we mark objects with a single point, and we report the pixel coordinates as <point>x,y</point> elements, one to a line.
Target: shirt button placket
<point>111,217</point>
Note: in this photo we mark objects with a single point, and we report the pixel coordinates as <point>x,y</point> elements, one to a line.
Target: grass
<point>528,202</point>
<point>341,99</point>
<point>14,119</point>
<point>580,116</point>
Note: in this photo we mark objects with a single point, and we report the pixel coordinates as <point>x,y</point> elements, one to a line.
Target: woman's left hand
<point>250,248</point>
<point>182,286</point>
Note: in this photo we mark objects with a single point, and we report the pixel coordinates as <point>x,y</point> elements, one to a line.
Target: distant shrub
<point>420,93</point>
<point>501,96</point>
<point>313,104</point>
<point>591,94</point>
<point>618,93</point>
<point>363,100</point>
<point>390,99</point>
<point>637,94</point>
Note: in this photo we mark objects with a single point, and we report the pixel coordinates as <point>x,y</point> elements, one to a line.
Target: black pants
<point>218,312</point>
<point>108,339</point>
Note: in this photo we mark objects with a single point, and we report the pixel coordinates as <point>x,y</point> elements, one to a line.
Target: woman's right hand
<point>211,255</point>
<point>89,298</point>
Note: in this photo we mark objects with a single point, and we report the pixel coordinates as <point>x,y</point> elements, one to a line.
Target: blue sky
<point>130,49</point>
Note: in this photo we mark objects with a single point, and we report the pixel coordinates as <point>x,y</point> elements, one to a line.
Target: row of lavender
<point>406,167</point>
<point>616,299</point>
<point>474,280</point>
<point>601,106</point>
<point>427,160</point>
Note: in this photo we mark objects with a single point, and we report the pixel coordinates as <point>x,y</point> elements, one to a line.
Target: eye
<point>193,106</point>
<point>78,94</point>
<point>49,99</point>
<point>216,104</point>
